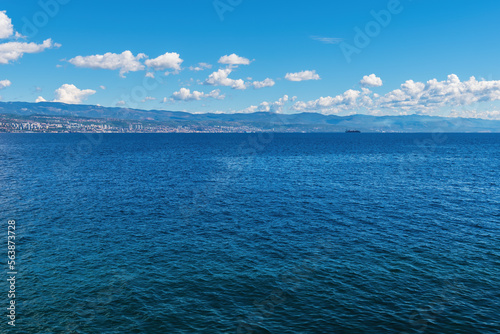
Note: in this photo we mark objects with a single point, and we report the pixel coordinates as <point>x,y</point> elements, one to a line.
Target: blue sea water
<point>248,233</point>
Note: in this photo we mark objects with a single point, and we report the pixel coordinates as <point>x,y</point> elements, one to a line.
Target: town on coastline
<point>67,124</point>
<point>246,123</point>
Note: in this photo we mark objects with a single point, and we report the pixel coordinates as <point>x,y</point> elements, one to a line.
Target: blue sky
<point>256,55</point>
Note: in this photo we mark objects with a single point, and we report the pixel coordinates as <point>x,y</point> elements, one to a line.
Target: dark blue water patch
<point>247,233</point>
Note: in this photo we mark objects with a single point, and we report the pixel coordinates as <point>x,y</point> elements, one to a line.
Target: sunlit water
<point>236,233</point>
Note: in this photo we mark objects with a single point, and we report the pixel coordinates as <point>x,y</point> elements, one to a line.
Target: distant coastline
<point>48,117</point>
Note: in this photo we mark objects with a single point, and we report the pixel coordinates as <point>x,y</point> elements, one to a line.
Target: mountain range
<point>308,122</point>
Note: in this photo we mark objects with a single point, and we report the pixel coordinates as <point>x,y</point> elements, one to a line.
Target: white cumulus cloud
<point>302,76</point>
<point>433,94</point>
<point>234,59</point>
<point>70,94</point>
<point>169,60</point>
<point>432,97</point>
<point>125,62</point>
<point>488,114</point>
<point>200,67</point>
<point>6,27</point>
<point>371,81</point>
<point>148,98</point>
<point>185,94</point>
<point>12,51</point>
<point>220,78</point>
<point>265,83</point>
<point>40,99</point>
<point>348,101</point>
<point>277,106</point>
<point>5,83</point>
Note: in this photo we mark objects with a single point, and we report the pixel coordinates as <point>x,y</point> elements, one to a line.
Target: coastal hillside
<point>265,121</point>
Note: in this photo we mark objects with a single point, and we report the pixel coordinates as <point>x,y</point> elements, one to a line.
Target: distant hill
<point>264,120</point>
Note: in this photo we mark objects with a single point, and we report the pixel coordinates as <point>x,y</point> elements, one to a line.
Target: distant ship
<point>352,131</point>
